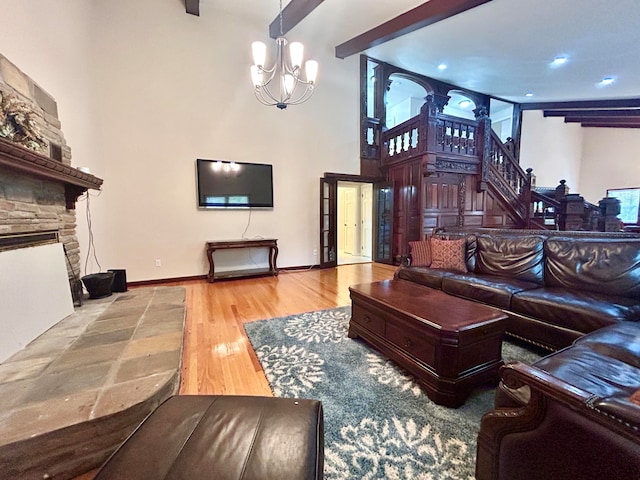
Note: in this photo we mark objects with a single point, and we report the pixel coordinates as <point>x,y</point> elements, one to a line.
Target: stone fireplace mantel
<point>27,161</point>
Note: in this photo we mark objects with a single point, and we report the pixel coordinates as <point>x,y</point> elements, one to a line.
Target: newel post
<point>483,140</point>
<point>526,193</point>
<point>428,132</point>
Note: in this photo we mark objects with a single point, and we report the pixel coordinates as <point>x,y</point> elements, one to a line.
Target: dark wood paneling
<point>443,208</point>
<point>421,16</point>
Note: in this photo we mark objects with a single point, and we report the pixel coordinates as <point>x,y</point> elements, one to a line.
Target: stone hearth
<point>71,396</point>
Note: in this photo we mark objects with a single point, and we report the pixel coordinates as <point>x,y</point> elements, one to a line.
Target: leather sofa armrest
<point>520,381</point>
<point>531,418</point>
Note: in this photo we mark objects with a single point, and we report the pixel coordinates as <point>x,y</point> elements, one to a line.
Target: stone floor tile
<point>167,325</point>
<point>48,416</point>
<point>124,395</point>
<point>144,366</point>
<point>23,369</point>
<point>82,357</point>
<point>43,347</point>
<point>167,342</point>
<point>67,382</point>
<point>115,323</point>
<point>106,338</point>
<point>13,394</point>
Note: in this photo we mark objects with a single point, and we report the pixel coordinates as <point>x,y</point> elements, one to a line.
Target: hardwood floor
<point>217,357</point>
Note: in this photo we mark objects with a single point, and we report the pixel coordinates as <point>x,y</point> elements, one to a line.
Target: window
<point>629,203</point>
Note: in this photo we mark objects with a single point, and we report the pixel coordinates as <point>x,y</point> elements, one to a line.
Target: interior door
<point>328,223</point>
<point>350,225</point>
<point>367,220</point>
<point>383,215</point>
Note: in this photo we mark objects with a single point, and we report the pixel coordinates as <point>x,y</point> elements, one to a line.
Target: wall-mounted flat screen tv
<point>224,184</point>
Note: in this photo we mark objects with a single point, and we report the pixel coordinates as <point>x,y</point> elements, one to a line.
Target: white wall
<point>609,160</point>
<point>552,148</point>
<point>145,89</point>
<point>590,159</point>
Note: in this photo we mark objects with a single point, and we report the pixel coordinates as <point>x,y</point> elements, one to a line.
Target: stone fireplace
<point>38,186</point>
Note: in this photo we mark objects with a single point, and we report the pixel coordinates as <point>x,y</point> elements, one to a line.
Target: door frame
<point>328,216</point>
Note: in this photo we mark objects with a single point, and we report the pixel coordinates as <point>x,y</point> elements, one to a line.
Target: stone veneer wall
<point>28,203</point>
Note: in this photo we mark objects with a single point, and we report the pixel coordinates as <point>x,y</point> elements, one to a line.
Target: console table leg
<point>273,258</point>
<point>211,274</point>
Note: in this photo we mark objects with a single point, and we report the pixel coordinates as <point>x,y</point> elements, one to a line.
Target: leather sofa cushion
<point>603,266</point>
<point>520,257</point>
<point>592,371</point>
<point>621,341</point>
<point>489,289</point>
<point>582,311</point>
<point>429,277</point>
<point>223,437</point>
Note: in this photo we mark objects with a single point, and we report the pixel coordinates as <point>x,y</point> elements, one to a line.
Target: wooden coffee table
<point>449,344</point>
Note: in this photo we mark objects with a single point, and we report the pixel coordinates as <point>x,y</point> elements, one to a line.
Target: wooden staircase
<point>450,171</point>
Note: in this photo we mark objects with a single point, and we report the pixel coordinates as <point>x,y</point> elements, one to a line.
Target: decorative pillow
<point>420,253</point>
<point>448,254</point>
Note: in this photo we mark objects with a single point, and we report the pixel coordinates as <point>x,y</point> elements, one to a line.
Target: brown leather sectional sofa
<point>575,413</point>
<point>554,287</point>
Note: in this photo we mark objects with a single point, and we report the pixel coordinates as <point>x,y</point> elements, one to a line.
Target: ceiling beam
<point>419,17</point>
<point>583,104</point>
<point>593,113</point>
<point>192,7</point>
<point>292,14</point>
<point>610,125</point>
<point>592,119</point>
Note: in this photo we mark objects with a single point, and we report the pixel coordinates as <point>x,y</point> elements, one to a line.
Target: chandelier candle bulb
<point>259,51</point>
<point>311,68</point>
<point>296,51</point>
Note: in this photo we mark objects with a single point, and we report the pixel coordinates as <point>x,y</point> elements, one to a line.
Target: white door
<point>350,221</point>
<point>366,219</point>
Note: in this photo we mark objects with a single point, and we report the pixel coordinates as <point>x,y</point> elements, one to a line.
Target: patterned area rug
<point>379,424</point>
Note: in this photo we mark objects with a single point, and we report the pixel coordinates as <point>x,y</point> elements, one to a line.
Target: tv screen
<point>224,184</point>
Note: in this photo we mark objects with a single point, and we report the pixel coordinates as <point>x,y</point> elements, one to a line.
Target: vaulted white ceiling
<point>503,48</point>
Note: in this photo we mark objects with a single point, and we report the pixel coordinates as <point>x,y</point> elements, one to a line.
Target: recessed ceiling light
<point>528,94</point>
<point>442,66</point>
<point>559,60</point>
<point>607,81</point>
<point>464,103</point>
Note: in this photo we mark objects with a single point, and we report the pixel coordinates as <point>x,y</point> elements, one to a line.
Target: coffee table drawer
<point>371,320</point>
<point>413,342</point>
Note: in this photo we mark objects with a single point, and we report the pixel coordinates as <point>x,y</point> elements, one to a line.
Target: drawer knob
<point>407,343</point>
<point>367,319</point>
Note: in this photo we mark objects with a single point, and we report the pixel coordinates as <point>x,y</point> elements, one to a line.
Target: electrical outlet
<point>315,252</point>
<point>158,262</point>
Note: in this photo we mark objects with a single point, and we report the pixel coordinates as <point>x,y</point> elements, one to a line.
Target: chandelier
<point>282,84</point>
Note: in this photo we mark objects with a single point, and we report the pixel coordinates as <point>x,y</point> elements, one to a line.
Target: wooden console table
<point>270,243</point>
